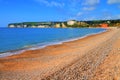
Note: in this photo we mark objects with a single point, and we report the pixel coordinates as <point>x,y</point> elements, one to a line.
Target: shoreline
<point>34,47</point>
<point>59,61</point>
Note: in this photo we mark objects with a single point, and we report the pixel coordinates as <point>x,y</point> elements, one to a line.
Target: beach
<point>110,67</point>
<point>89,58</point>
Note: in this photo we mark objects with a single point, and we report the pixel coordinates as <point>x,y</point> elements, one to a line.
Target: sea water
<point>20,39</point>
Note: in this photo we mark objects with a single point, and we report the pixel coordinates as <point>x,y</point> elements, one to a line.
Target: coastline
<point>41,63</point>
<point>36,47</point>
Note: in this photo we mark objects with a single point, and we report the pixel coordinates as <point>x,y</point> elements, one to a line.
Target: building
<point>71,22</point>
<point>104,25</point>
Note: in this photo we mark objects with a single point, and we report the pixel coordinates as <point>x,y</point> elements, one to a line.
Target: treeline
<point>111,23</point>
<point>93,23</point>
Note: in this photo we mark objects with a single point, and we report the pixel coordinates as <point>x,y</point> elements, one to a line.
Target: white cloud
<point>88,8</point>
<point>118,16</point>
<point>90,5</point>
<point>113,1</point>
<point>76,16</point>
<point>118,6</point>
<point>79,14</point>
<point>91,2</point>
<point>90,18</point>
<point>51,3</point>
<point>107,15</point>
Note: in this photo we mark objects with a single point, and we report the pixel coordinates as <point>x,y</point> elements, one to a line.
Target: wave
<point>43,45</point>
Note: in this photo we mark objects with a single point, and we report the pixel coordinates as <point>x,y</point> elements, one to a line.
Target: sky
<point>12,11</point>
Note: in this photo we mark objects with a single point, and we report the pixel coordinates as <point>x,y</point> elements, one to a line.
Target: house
<point>104,25</point>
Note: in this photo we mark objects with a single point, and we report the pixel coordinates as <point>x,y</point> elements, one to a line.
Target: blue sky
<point>12,11</point>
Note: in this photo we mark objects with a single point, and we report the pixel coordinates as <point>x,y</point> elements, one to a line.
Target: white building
<point>71,22</point>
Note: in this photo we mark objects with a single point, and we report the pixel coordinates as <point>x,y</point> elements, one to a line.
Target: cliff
<point>70,23</point>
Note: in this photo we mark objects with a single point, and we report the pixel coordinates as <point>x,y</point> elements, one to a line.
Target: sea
<point>17,40</point>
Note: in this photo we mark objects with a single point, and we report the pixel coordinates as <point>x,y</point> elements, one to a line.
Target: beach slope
<point>75,60</point>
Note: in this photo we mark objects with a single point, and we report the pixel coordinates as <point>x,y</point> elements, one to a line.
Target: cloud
<point>113,1</point>
<point>108,15</point>
<point>88,8</point>
<point>91,2</point>
<point>79,13</point>
<point>76,16</point>
<point>90,18</point>
<point>118,16</point>
<point>51,3</point>
<point>119,7</point>
<point>89,5</point>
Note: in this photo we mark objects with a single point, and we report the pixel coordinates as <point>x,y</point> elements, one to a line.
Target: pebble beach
<point>95,57</point>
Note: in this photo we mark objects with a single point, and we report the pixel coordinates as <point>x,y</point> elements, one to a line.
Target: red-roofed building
<point>104,25</point>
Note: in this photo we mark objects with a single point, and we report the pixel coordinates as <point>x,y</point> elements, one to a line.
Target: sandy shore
<point>75,60</point>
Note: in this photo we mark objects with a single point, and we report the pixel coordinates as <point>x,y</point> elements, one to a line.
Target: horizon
<point>59,10</point>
